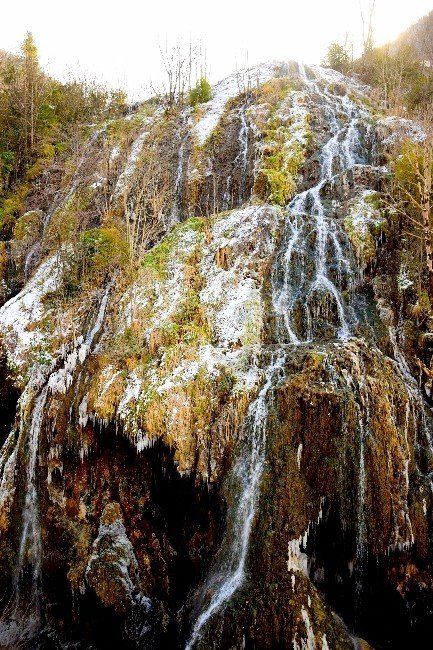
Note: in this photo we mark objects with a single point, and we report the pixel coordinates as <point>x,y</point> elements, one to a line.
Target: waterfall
<point>229,573</point>
<point>242,157</point>
<point>30,549</point>
<point>181,170</point>
<point>95,328</point>
<point>22,618</point>
<point>309,288</point>
<point>61,199</point>
<point>312,269</point>
<point>240,164</point>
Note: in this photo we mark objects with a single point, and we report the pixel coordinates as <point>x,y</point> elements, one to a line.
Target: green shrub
<point>337,57</point>
<point>201,93</point>
<point>102,249</point>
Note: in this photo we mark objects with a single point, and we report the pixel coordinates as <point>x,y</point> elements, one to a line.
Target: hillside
<point>420,37</point>
<point>216,343</point>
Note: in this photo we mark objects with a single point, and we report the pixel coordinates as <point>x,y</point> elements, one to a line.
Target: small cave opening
<point>362,595</point>
<point>175,524</point>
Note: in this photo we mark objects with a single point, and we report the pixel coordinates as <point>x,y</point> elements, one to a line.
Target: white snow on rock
<point>403,279</point>
<point>172,290</point>
<point>20,316</point>
<point>169,291</point>
<point>131,393</point>
<point>294,110</point>
<point>400,128</point>
<point>61,380</point>
<point>223,91</point>
<point>131,161</point>
<point>364,213</point>
<point>232,297</point>
<point>232,301</point>
<point>331,76</point>
<point>113,552</point>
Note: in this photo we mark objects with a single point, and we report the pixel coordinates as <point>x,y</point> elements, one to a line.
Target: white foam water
<point>229,574</point>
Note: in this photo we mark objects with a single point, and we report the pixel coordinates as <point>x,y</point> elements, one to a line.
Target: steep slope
<point>218,439</point>
<point>419,36</point>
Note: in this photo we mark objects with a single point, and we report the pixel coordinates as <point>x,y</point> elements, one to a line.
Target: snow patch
<point>131,161</point>
<point>226,89</point>
<point>400,128</point>
<point>21,314</point>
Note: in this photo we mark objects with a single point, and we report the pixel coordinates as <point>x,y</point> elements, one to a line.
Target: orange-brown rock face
<point>219,440</point>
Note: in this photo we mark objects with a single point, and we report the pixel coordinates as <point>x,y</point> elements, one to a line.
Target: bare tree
<point>179,62</point>
<point>423,39</point>
<point>147,195</point>
<point>367,28</point>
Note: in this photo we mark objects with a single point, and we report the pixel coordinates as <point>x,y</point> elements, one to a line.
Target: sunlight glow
<point>118,43</point>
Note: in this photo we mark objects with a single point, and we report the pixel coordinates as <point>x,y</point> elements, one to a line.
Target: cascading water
<point>242,157</point>
<point>22,618</point>
<point>241,163</point>
<point>416,400</point>
<point>181,171</point>
<point>30,549</point>
<point>230,571</point>
<point>61,199</point>
<point>315,264</point>
<point>313,278</point>
<point>313,267</point>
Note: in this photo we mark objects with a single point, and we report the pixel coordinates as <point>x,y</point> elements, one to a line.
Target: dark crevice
<point>9,396</point>
<point>174,522</point>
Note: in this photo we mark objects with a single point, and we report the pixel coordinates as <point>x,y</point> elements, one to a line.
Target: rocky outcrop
<point>219,441</point>
<point>113,573</point>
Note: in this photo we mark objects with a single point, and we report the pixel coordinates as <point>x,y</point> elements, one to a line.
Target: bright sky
<point>117,42</point>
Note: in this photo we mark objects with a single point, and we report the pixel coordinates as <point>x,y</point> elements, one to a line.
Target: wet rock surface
<point>226,445</point>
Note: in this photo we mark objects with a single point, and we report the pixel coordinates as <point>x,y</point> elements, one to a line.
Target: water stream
<point>241,159</point>
<point>247,472</point>
<point>181,170</point>
<point>22,618</point>
<point>313,268</point>
<point>316,266</point>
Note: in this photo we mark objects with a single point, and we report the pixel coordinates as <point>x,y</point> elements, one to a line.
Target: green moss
<point>375,200</point>
<point>275,90</point>
<point>282,158</point>
<point>10,209</point>
<point>156,259</point>
<point>279,186</point>
<point>66,221</point>
<point>102,248</point>
<point>27,226</point>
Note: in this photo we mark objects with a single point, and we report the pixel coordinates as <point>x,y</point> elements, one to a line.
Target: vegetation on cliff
<point>214,308</point>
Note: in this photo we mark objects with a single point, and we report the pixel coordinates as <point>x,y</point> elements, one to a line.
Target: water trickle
<point>313,268</point>
<point>229,572</point>
<point>356,383</point>
<point>60,200</point>
<point>313,277</point>
<point>181,171</point>
<point>22,618</point>
<point>315,265</point>
<point>242,158</point>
